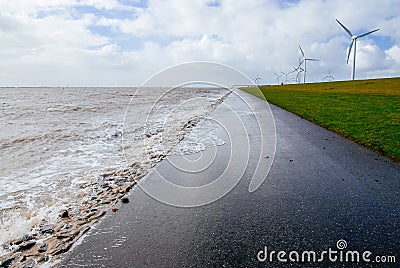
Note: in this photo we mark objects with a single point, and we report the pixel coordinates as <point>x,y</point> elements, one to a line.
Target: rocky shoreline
<point>49,241</point>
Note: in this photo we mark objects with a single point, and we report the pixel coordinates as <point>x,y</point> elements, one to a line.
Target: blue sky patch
<point>129,42</point>
<point>214,4</point>
<point>102,30</point>
<point>135,3</point>
<point>111,14</point>
<point>384,42</point>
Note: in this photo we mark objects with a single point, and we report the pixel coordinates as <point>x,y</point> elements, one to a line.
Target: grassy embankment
<point>364,111</point>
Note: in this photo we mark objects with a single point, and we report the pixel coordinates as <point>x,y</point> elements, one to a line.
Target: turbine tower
<point>353,42</point>
<point>278,77</point>
<point>299,70</point>
<point>305,62</point>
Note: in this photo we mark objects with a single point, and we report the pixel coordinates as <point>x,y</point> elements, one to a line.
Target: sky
<point>125,42</point>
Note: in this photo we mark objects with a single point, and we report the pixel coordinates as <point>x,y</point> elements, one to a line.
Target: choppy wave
<point>56,143</point>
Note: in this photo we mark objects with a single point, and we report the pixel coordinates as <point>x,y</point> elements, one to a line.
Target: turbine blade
<point>344,27</point>
<point>368,33</point>
<point>301,50</point>
<point>312,59</point>
<point>348,54</point>
<point>301,62</point>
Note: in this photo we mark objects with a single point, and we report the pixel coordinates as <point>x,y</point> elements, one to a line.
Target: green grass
<point>364,111</point>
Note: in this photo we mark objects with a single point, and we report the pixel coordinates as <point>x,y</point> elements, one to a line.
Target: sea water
<point>56,142</point>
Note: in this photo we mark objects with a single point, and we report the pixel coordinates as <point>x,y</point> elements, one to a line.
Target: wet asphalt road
<point>321,188</point>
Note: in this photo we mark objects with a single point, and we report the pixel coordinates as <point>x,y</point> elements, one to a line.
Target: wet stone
<point>63,235</point>
<point>8,262</point>
<point>75,232</point>
<point>73,222</point>
<point>27,245</point>
<point>23,239</point>
<point>47,229</point>
<point>117,134</point>
<point>64,214</point>
<point>30,264</point>
<point>43,248</point>
<point>135,164</point>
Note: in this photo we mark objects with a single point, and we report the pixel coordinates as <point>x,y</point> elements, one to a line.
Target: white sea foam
<point>202,136</point>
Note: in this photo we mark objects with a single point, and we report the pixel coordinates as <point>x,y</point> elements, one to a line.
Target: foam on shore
<point>74,160</point>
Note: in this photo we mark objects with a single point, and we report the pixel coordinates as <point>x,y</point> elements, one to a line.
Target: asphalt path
<point>320,189</point>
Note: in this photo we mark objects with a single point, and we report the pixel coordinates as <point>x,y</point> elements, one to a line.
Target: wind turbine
<point>278,77</point>
<point>299,70</point>
<point>329,77</point>
<point>257,79</point>
<point>353,41</point>
<point>305,62</point>
<point>286,76</point>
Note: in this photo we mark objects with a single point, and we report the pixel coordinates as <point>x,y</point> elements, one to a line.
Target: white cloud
<point>49,42</point>
<point>394,53</point>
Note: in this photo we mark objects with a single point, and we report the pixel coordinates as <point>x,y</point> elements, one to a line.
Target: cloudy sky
<point>124,42</point>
